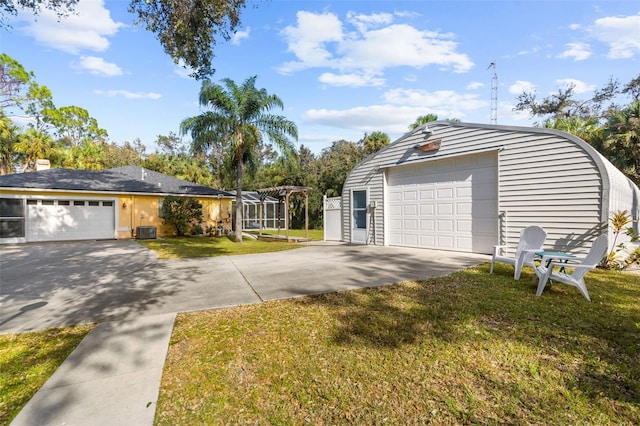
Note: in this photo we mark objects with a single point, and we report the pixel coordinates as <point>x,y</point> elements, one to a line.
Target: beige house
<point>119,203</point>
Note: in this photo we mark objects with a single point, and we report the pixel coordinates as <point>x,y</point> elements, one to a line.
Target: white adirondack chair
<point>575,278</point>
<point>531,240</point>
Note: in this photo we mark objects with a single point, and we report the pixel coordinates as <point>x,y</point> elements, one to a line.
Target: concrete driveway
<point>61,284</point>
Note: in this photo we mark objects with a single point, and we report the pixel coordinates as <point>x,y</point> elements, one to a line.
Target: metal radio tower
<point>494,94</point>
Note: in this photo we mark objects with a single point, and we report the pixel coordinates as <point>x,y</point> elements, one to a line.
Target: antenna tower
<point>494,94</point>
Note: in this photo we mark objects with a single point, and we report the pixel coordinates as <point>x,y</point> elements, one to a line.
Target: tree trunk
<point>238,220</point>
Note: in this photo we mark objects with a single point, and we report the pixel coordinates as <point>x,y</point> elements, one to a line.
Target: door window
<point>360,209</point>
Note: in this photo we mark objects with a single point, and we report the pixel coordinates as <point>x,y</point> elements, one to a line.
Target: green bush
<point>184,214</point>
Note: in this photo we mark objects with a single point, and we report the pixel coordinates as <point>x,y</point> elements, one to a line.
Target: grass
<point>469,348</point>
<point>314,234</point>
<point>27,360</point>
<point>190,247</point>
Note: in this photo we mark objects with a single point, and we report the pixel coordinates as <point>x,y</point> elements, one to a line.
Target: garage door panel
<point>427,225</point>
<point>410,210</point>
<point>411,240</point>
<point>460,212</point>
<point>465,226</point>
<point>464,243</point>
<point>464,208</point>
<point>427,240</point>
<point>445,242</point>
<point>445,225</point>
<point>463,192</point>
<point>428,194</point>
<point>444,193</point>
<point>444,209</point>
<point>61,220</point>
<point>410,224</point>
<point>395,196</point>
<point>427,209</point>
<point>410,195</point>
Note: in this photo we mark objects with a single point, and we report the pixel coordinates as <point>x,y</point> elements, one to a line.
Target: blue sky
<point>342,68</point>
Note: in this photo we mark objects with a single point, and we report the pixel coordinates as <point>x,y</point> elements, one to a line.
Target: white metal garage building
<point>466,187</point>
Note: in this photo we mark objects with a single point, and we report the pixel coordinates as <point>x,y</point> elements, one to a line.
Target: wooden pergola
<point>283,193</point>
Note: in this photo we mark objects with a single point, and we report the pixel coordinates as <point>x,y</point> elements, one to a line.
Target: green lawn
<point>469,348</point>
<point>314,234</point>
<point>27,360</point>
<point>189,247</point>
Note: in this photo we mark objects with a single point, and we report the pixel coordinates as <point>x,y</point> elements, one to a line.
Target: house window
<point>94,203</point>
<point>63,202</point>
<point>160,207</point>
<point>47,202</point>
<point>360,209</point>
<point>107,204</point>
<point>32,202</point>
<point>78,203</point>
<point>11,218</point>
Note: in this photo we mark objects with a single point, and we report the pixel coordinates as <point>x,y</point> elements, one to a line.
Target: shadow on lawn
<point>603,336</point>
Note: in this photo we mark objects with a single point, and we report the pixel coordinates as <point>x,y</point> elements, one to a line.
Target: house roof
<point>127,179</point>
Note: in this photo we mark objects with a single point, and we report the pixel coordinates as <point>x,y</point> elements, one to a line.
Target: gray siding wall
<point>545,178</point>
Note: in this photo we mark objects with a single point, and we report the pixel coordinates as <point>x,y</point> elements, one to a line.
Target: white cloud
<point>578,86</point>
<point>350,80</point>
<point>575,27</point>
<point>402,45</point>
<point>238,36</point>
<point>307,40</point>
<point>622,34</point>
<point>521,86</point>
<point>474,85</point>
<point>448,102</point>
<point>401,107</point>
<point>98,66</point>
<point>577,51</point>
<point>366,22</point>
<point>320,41</point>
<point>387,118</point>
<point>86,29</point>
<point>128,94</point>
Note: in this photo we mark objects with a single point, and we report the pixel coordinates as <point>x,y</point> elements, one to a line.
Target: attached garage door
<point>448,204</point>
<point>61,220</point>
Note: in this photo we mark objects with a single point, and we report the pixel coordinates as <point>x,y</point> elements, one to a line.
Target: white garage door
<point>61,220</point>
<point>448,204</point>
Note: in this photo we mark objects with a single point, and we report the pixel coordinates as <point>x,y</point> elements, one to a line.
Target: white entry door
<point>359,216</point>
<point>448,204</point>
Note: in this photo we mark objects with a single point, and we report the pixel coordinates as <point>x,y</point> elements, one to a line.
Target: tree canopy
<point>613,129</point>
<point>11,7</point>
<point>187,30</point>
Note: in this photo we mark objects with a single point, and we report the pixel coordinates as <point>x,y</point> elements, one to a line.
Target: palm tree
<point>423,119</point>
<point>587,129</point>
<point>235,124</point>
<point>34,144</point>
<point>622,140</point>
<point>374,142</point>
<point>8,139</point>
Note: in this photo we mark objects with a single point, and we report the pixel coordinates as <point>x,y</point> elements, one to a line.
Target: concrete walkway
<point>113,376</point>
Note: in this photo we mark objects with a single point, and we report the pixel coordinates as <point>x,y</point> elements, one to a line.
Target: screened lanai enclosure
<point>251,211</point>
<point>269,209</point>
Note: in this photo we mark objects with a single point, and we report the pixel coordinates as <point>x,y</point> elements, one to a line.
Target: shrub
<point>182,213</point>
